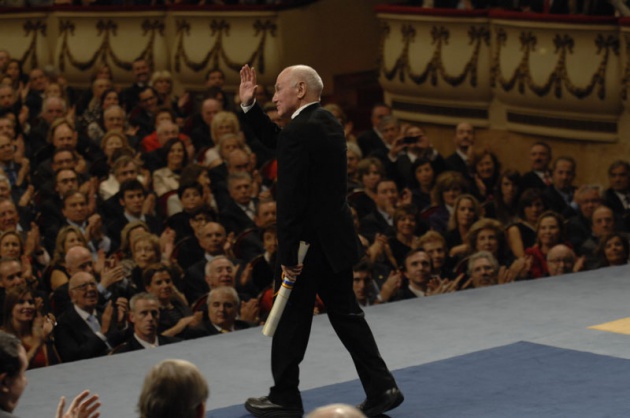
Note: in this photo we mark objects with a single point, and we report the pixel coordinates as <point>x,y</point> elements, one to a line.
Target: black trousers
<point>348,321</point>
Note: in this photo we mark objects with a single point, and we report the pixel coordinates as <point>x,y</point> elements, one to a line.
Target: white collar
<point>297,112</point>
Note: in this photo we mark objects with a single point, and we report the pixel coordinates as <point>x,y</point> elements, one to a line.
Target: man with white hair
<point>312,207</point>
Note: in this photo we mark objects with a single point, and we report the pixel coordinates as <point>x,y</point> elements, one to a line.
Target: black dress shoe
<point>390,399</point>
<point>264,408</point>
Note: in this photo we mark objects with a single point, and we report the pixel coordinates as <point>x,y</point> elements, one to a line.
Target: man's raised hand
<point>247,89</point>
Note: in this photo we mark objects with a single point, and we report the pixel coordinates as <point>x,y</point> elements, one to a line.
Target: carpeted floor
<point>519,350</point>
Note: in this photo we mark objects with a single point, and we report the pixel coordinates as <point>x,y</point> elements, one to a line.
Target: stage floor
<point>556,312</point>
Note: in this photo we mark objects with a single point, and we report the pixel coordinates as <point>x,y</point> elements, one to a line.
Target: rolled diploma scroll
<point>283,295</point>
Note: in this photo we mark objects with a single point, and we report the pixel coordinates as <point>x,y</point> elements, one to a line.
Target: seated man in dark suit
<point>132,196</point>
<point>212,239</point>
<point>249,244</point>
<point>540,176</point>
<point>144,314</point>
<point>81,331</point>
<point>602,224</point>
<point>415,281</point>
<point>191,197</point>
<point>617,196</point>
<point>464,141</point>
<point>372,139</point>
<point>558,196</point>
<point>578,227</point>
<point>223,308</point>
<point>141,73</point>
<point>187,250</point>
<point>238,214</point>
<point>381,220</point>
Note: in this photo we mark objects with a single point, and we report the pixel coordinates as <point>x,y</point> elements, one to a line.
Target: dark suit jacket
<point>311,190</point>
<point>613,202</point>
<point>370,142</point>
<point>455,163</point>
<point>75,340</point>
<point>531,180</point>
<point>375,223</point>
<point>234,219</point>
<point>210,329</point>
<point>556,202</point>
<point>133,345</point>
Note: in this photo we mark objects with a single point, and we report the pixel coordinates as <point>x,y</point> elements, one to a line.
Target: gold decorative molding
<point>105,52</point>
<point>434,70</point>
<point>218,53</point>
<point>558,79</point>
<point>33,28</point>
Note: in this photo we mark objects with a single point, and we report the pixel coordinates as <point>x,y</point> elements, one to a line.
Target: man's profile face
<point>15,385</point>
<point>240,190</point>
<point>286,96</point>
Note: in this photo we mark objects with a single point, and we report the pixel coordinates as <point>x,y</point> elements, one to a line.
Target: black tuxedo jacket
<point>75,340</point>
<point>311,189</point>
<point>556,202</point>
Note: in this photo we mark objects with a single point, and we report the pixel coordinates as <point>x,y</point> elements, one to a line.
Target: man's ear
<point>4,382</point>
<point>301,90</point>
<point>200,411</point>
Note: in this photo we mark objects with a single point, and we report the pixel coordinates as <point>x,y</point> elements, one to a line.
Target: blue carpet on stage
<point>516,380</point>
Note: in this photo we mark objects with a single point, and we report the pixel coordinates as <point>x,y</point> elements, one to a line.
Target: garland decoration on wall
<point>218,53</point>
<point>558,79</point>
<point>435,69</point>
<point>34,28</point>
<point>105,52</point>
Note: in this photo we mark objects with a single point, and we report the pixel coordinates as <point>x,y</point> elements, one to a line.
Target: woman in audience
<point>370,171</point>
<point>226,143</point>
<point>488,235</point>
<point>466,211</point>
<point>176,318</point>
<point>613,250</point>
<point>522,233</point>
<point>504,205</point>
<point>129,233</point>
<point>448,186</point>
<point>485,169</point>
<point>111,142</point>
<point>23,319</point>
<point>33,264</point>
<point>549,232</point>
<point>166,179</point>
<point>422,184</point>
<point>68,237</point>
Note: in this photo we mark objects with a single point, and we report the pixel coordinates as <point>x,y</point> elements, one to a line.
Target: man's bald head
<point>336,411</point>
<point>79,259</point>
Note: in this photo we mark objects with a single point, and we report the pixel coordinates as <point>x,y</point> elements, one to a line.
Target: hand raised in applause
<point>81,407</point>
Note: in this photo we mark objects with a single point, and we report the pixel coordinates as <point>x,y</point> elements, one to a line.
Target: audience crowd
<point>132,217</point>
